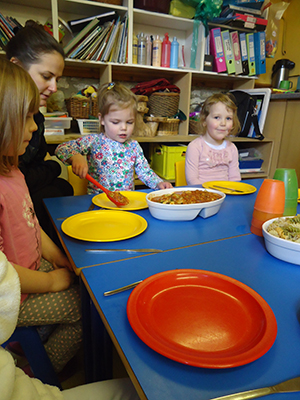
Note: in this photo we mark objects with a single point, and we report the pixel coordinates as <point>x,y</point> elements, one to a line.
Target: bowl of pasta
<point>184,204</point>
<point>282,238</point>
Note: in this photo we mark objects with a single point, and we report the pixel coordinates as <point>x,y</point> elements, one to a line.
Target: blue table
<point>243,258</point>
<point>233,219</point>
<point>222,243</point>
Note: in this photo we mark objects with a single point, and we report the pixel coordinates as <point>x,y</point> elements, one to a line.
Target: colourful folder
<point>229,58</point>
<point>234,36</point>
<point>216,49</point>
<point>260,52</point>
<point>251,54</point>
<point>244,53</point>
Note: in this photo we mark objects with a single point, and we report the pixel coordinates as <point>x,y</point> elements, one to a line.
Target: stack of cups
<point>289,178</point>
<point>269,204</point>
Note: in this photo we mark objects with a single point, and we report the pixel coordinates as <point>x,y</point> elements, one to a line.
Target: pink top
<point>204,163</point>
<point>20,235</point>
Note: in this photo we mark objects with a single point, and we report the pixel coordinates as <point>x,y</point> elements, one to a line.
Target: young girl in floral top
<point>112,157</point>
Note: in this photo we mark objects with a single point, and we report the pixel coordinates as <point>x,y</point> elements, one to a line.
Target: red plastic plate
<point>201,318</point>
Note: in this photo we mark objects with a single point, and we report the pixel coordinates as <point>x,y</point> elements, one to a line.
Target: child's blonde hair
<point>117,95</point>
<point>228,101</point>
<point>18,96</point>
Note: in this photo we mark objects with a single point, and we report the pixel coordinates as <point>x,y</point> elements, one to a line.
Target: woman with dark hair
<point>42,57</point>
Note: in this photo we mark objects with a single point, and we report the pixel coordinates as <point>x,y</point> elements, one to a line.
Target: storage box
<point>88,126</point>
<point>163,159</point>
<point>58,123</point>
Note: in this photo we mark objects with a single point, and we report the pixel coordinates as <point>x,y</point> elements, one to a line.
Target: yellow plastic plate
<point>104,226</point>
<point>137,201</point>
<point>298,195</point>
<point>230,187</point>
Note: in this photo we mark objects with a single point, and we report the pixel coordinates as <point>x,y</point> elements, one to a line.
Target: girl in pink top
<point>47,297</point>
<point>211,157</point>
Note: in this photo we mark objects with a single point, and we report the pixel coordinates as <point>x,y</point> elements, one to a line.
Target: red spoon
<point>116,197</point>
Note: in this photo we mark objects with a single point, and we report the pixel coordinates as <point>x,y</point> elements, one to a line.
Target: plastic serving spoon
<point>116,197</point>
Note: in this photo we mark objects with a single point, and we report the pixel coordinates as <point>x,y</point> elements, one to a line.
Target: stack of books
<point>7,26</point>
<point>242,14</point>
<point>101,38</point>
<point>242,48</point>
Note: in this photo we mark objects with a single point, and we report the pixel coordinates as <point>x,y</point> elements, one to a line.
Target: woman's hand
<point>79,165</point>
<point>164,185</point>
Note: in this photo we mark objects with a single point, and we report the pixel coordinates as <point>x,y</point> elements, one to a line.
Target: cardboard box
<point>163,159</point>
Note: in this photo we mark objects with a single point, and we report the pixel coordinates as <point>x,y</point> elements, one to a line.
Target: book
<point>244,53</point>
<point>88,52</point>
<point>99,52</point>
<point>6,25</point>
<point>123,55</point>
<point>80,36</point>
<point>228,51</point>
<point>216,48</point>
<point>6,30</point>
<point>111,41</point>
<point>105,42</point>
<point>234,36</point>
<point>257,4</point>
<point>260,52</point>
<point>78,24</point>
<point>251,54</point>
<point>96,48</point>
<point>227,11</point>
<point>3,39</point>
<point>85,42</point>
<point>116,48</point>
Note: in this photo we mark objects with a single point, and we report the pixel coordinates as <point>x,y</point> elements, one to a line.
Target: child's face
<point>118,124</point>
<point>219,123</point>
<point>30,126</point>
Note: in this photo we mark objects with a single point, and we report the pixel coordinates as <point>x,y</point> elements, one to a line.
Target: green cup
<point>286,85</point>
<point>289,177</point>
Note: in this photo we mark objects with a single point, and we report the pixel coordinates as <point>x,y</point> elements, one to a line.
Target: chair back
<point>35,352</point>
<point>180,173</point>
<point>79,185</point>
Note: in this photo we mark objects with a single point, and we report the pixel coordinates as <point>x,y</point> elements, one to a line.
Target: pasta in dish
<point>187,197</point>
<point>286,228</point>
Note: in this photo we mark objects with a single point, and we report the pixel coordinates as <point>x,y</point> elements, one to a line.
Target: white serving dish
<point>182,212</point>
<point>285,250</point>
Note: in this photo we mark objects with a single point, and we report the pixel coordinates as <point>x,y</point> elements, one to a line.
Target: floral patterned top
<point>111,163</point>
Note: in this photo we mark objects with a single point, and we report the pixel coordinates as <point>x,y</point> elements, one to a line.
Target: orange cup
<point>269,203</point>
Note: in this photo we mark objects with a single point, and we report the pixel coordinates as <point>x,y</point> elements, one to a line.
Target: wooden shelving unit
<point>149,23</point>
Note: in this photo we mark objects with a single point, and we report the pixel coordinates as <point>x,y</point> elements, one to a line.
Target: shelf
<point>186,79</point>
<point>165,21</point>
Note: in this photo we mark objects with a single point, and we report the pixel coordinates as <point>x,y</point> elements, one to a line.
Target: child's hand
<point>61,261</point>
<point>165,185</point>
<point>61,279</point>
<point>79,165</point>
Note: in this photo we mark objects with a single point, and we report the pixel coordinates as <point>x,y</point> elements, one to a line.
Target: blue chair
<point>35,353</point>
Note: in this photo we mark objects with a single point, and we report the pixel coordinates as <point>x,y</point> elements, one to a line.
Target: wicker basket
<point>194,127</point>
<point>163,104</point>
<point>82,108</point>
<point>169,127</point>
